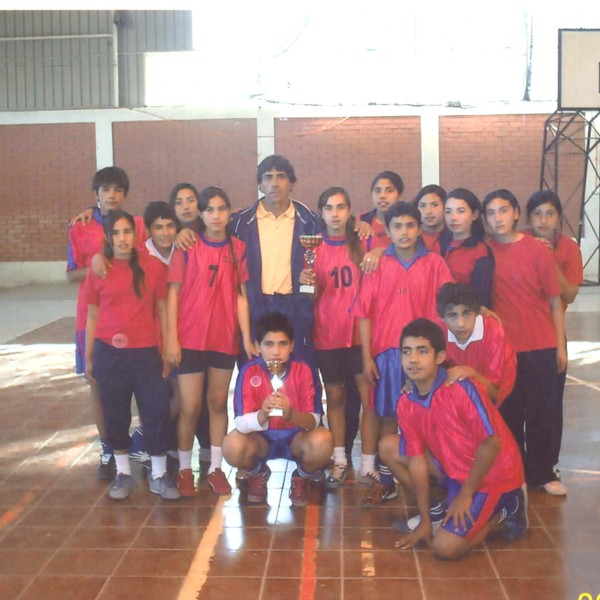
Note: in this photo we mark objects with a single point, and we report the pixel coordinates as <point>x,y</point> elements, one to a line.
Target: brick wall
<point>45,179</point>
<point>159,154</point>
<point>350,152</point>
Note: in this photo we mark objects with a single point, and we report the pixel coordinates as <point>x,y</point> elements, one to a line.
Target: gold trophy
<point>276,369</point>
<point>310,243</point>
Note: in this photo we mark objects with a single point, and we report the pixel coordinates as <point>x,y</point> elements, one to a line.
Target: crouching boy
<point>277,405</point>
<point>455,434</point>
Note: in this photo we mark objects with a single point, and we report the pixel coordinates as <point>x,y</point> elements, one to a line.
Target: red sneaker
<point>218,482</point>
<point>257,486</point>
<point>185,483</point>
<point>299,490</point>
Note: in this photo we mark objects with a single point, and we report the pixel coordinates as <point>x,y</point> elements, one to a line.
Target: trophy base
<point>276,412</point>
<point>307,289</point>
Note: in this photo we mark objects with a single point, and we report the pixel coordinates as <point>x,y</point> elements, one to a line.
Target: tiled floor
<point>61,537</point>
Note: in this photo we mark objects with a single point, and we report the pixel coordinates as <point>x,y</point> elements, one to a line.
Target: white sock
<point>216,458</point>
<point>122,463</point>
<point>159,466</point>
<point>339,456</point>
<point>185,459</point>
<point>367,463</point>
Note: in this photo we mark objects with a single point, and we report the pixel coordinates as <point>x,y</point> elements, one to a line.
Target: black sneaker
<point>515,525</point>
<point>106,467</point>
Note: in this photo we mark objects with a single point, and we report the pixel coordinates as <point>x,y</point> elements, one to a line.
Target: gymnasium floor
<point>62,538</point>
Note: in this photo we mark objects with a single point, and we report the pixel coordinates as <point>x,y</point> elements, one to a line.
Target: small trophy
<point>310,243</point>
<point>276,369</point>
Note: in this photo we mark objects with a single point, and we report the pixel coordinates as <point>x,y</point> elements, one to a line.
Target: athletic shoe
<point>337,476</point>
<point>378,494</point>
<point>257,486</point>
<point>106,467</point>
<point>407,525</point>
<point>317,476</point>
<point>164,486</point>
<point>185,483</point>
<point>555,488</point>
<point>121,486</point>
<point>218,482</point>
<point>515,525</point>
<point>299,490</point>
<point>368,480</point>
<point>241,477</point>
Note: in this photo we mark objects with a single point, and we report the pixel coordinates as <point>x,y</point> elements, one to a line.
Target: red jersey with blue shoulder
<point>398,292</point>
<point>451,422</point>
<point>489,353</point>
<point>209,275</point>
<point>337,282</point>
<point>124,320</point>
<point>524,281</point>
<point>85,241</point>
<point>300,384</point>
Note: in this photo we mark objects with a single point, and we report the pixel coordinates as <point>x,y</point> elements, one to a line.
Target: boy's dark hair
<point>178,188</point>
<point>271,322</point>
<point>453,294</point>
<point>432,188</point>
<point>543,197</point>
<point>277,162</point>
<point>396,180</point>
<point>426,329</point>
<point>110,176</point>
<point>402,209</point>
<point>159,210</point>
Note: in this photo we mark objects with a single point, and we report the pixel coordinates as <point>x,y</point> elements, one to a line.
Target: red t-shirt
<point>524,281</point>
<point>85,241</point>
<point>431,241</point>
<point>209,278</point>
<point>451,422</point>
<point>124,320</point>
<point>300,385</point>
<point>337,284</point>
<point>397,293</point>
<point>491,356</point>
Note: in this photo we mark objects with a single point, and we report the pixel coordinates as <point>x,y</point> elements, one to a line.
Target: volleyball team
<point>435,323</point>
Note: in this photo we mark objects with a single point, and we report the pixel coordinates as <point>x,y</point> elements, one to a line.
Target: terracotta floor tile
<point>46,537</point>
<point>360,589</point>
<point>465,589</point>
<point>529,563</point>
<point>12,585</point>
<point>475,564</point>
<point>56,516</point>
<point>91,561</point>
<point>290,538</point>
<point>141,588</point>
<point>156,538</point>
<point>117,515</point>
<point>240,538</point>
<point>178,516</point>
<point>169,563</point>
<point>230,563</point>
<point>358,538</point>
<point>22,561</point>
<point>379,564</point>
<point>102,537</point>
<point>59,588</point>
<point>328,589</point>
<point>536,537</point>
<point>238,588</point>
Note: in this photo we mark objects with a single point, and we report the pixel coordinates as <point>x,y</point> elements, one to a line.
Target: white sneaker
<point>555,488</point>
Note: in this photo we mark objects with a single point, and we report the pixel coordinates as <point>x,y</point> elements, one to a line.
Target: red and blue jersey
<point>209,275</point>
<point>451,422</point>
<point>472,263</point>
<point>489,353</point>
<point>398,292</point>
<point>380,238</point>
<point>85,241</point>
<point>300,384</point>
<point>124,320</point>
<point>337,282</point>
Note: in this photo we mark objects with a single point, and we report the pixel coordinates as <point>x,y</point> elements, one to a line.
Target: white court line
<point>198,571</point>
<point>585,383</point>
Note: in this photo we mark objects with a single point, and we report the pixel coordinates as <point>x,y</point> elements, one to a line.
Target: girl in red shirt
<point>207,309</point>
<point>336,277</point>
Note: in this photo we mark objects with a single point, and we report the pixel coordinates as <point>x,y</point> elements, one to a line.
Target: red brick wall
<point>159,154</point>
<point>484,153</point>
<point>45,179</point>
<point>350,152</point>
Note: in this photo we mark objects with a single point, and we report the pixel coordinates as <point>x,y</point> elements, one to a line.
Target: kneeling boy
<point>454,433</point>
<point>294,435</point>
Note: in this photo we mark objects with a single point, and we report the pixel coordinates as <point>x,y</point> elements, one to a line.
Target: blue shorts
<point>280,441</point>
<point>80,352</point>
<point>390,383</point>
<point>484,506</point>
